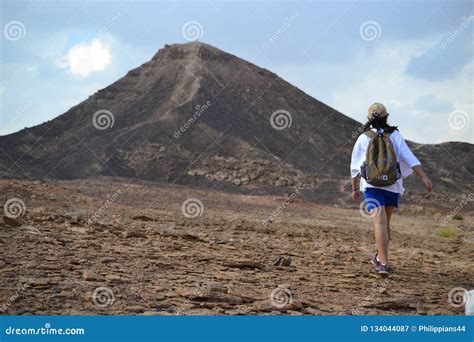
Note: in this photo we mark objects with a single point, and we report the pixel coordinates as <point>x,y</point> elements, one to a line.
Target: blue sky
<point>414,56</point>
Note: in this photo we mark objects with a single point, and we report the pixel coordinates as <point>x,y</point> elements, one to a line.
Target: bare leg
<point>379,217</point>
<point>389,212</point>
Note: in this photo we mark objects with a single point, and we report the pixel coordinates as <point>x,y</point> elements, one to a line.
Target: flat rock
<point>39,282</point>
<point>12,222</point>
<point>212,295</point>
<point>134,234</point>
<point>247,293</point>
<point>268,306</point>
<point>395,304</point>
<point>107,260</point>
<point>112,278</point>
<point>91,276</point>
<point>135,309</point>
<point>249,264</point>
<point>80,230</point>
<point>143,218</point>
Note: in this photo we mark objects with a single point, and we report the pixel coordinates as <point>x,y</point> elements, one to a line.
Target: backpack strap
<point>371,134</point>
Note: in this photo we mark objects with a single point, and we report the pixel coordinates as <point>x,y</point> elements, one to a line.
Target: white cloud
<point>352,86</point>
<point>45,103</point>
<point>85,58</point>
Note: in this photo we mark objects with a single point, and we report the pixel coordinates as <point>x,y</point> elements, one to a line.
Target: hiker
<point>380,160</point>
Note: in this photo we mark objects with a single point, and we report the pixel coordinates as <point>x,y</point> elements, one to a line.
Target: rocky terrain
<point>110,246</point>
<point>200,183</point>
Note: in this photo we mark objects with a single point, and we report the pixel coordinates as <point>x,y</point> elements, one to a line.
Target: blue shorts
<point>377,197</point>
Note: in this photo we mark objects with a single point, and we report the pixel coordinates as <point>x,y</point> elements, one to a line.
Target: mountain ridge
<point>234,137</point>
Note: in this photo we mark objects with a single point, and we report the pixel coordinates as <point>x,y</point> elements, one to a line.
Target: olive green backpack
<point>380,167</point>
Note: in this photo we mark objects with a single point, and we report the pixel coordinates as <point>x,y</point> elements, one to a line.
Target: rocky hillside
<point>194,114</point>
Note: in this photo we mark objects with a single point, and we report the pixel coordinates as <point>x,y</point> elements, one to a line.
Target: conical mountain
<point>195,113</point>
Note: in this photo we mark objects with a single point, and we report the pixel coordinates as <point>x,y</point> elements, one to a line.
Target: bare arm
<point>356,183</point>
<point>356,195</point>
<point>424,177</point>
<point>410,159</point>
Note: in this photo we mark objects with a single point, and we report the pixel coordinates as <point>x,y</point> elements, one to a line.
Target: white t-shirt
<point>404,155</point>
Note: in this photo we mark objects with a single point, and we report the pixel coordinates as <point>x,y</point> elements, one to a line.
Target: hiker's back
<point>381,167</point>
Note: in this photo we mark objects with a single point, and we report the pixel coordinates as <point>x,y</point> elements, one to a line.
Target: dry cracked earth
<point>108,247</point>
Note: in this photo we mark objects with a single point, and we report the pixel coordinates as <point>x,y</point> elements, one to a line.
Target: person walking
<point>380,160</point>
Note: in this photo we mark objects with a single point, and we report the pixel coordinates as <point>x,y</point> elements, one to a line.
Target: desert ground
<point>110,247</point>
